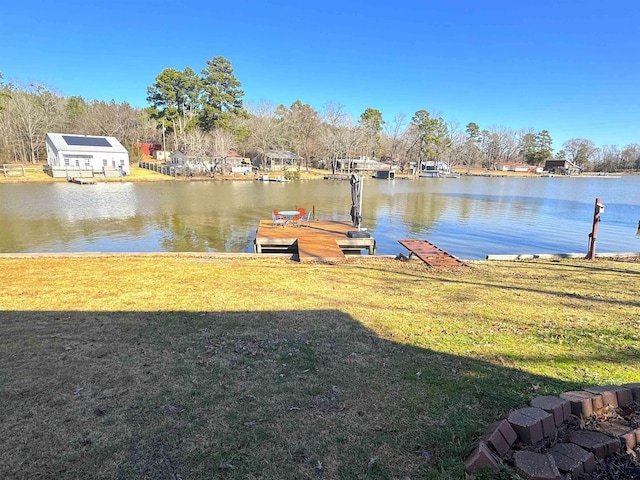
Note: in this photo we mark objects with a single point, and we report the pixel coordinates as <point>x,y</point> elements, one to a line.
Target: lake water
<point>470,217</point>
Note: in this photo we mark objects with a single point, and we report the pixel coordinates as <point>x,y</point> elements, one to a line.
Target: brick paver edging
<point>515,436</point>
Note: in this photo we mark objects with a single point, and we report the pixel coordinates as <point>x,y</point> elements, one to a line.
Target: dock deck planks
<point>430,254</point>
<point>316,250</point>
<point>321,241</point>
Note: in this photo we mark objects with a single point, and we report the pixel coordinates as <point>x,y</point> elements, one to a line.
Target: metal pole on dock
<point>360,205</point>
<point>598,209</point>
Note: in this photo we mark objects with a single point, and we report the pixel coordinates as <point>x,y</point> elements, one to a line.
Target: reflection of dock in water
<point>321,241</point>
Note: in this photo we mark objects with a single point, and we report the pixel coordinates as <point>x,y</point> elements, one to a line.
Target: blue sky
<point>571,67</point>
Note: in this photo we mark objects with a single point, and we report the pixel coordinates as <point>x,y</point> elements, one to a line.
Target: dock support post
<point>599,208</point>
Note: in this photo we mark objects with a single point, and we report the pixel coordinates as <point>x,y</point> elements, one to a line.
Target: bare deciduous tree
<point>27,114</point>
<point>580,150</point>
<point>334,118</point>
<point>299,127</point>
<point>498,144</point>
<point>394,138</point>
<point>263,127</point>
<point>221,141</point>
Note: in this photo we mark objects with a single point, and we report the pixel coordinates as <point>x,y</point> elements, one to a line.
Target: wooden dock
<point>81,181</point>
<point>321,241</point>
<point>430,254</point>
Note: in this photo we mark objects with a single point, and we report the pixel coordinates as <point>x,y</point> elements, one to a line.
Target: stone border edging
<point>551,256</point>
<point>530,425</point>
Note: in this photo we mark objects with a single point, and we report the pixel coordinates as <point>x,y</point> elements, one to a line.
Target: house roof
<point>205,156</point>
<point>559,163</point>
<point>282,154</point>
<point>67,142</point>
<point>432,163</point>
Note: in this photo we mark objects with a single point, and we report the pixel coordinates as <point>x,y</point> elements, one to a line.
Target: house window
<point>66,162</point>
<point>87,163</point>
<point>104,162</point>
<point>77,162</point>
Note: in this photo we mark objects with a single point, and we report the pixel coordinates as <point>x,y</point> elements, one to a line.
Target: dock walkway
<point>431,254</point>
<point>321,241</point>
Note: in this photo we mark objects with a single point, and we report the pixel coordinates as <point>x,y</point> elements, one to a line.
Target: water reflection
<point>471,217</point>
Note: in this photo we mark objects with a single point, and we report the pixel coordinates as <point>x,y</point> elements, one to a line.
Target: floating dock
<point>321,241</point>
<point>430,254</point>
<point>277,178</point>
<point>81,181</point>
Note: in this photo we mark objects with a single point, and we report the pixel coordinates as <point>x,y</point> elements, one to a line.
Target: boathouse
<point>385,174</point>
<point>434,168</point>
<point>78,156</point>
<point>562,167</point>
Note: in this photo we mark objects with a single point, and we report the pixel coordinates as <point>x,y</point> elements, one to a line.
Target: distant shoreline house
<point>276,160</point>
<point>562,167</point>
<point>71,155</point>
<point>280,160</point>
<point>360,164</point>
<point>518,167</point>
<point>238,163</point>
<point>186,163</point>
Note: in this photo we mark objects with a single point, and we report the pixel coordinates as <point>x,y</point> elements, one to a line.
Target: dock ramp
<point>430,254</point>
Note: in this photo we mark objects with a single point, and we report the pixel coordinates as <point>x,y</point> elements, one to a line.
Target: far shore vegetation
<point>203,366</point>
<point>35,173</point>
<point>204,115</point>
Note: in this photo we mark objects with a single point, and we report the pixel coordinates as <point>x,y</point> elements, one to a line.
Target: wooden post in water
<point>598,209</point>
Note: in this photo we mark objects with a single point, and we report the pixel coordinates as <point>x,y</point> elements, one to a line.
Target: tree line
<point>205,114</point>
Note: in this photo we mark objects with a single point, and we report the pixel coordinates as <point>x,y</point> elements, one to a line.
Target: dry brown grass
<point>212,367</point>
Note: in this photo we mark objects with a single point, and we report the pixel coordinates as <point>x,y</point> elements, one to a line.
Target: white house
<point>513,167</point>
<point>360,164</point>
<point>238,164</point>
<point>232,163</point>
<point>86,154</point>
<point>192,163</point>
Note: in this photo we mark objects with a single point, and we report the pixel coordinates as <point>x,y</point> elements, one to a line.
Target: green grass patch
<point>176,367</point>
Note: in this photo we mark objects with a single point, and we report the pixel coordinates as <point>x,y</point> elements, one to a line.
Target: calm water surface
<point>471,217</point>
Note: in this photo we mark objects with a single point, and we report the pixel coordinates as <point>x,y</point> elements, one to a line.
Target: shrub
<point>292,174</point>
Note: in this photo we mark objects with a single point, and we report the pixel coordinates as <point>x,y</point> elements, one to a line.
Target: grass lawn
<point>252,368</point>
<point>34,173</point>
